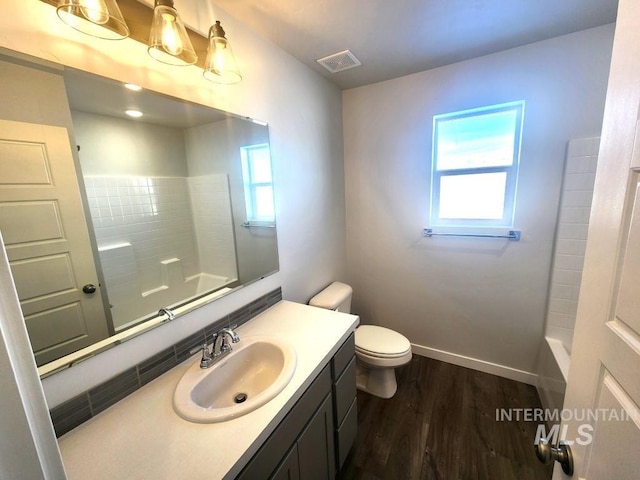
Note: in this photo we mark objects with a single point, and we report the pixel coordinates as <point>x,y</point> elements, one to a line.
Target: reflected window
<point>258,184</point>
<point>475,166</point>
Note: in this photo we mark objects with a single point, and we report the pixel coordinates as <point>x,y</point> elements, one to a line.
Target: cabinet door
<point>288,469</point>
<point>344,391</point>
<point>316,452</point>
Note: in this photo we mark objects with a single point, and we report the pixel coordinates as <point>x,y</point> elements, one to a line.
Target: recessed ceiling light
<point>133,86</point>
<point>134,113</point>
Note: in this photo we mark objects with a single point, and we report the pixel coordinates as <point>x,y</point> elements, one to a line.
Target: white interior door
<point>602,402</point>
<point>47,241</point>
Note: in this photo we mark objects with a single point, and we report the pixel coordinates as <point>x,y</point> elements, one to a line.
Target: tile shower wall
<point>571,238</point>
<point>141,222</point>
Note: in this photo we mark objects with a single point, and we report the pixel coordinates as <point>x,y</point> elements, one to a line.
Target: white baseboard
<point>475,364</point>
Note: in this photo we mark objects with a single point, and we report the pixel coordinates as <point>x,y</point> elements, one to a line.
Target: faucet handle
<point>207,359</point>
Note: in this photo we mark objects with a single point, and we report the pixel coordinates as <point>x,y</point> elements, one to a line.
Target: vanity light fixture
<point>134,113</point>
<point>220,65</point>
<point>168,41</point>
<point>160,28</point>
<point>98,18</point>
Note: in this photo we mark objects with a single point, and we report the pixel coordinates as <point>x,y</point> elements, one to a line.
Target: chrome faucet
<point>166,311</point>
<point>210,357</point>
<point>224,344</point>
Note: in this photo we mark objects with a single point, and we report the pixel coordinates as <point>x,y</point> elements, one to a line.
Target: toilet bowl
<point>379,350</point>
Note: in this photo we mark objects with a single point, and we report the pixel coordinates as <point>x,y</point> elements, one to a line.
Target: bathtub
<point>207,282</point>
<point>553,368</point>
<point>137,308</point>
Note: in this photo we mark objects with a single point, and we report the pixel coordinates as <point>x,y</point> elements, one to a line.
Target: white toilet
<point>378,349</point>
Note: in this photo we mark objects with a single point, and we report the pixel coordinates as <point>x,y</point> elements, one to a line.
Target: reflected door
<point>47,241</point>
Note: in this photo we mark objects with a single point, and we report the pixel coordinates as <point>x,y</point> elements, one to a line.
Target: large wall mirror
<point>116,217</point>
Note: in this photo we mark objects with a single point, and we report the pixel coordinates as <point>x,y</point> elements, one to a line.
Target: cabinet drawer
<point>347,433</point>
<point>344,391</point>
<point>342,358</point>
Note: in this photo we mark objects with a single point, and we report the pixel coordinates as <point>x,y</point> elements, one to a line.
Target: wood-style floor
<point>441,425</point>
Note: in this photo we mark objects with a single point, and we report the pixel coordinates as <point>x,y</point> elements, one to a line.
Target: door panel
<point>38,277</point>
<point>32,159</point>
<point>628,304</point>
<point>27,222</point>
<point>47,240</point>
<point>608,459</point>
<point>57,326</point>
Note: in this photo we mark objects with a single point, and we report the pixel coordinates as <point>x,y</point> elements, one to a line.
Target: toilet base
<point>380,382</point>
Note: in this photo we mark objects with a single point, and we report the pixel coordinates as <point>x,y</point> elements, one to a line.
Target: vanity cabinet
<point>315,436</point>
<point>343,372</point>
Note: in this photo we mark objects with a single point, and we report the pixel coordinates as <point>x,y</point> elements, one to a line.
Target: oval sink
<point>257,370</point>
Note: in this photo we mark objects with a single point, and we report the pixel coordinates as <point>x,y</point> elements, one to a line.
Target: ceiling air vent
<point>340,61</point>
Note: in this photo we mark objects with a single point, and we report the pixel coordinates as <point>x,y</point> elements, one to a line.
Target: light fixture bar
<point>139,17</point>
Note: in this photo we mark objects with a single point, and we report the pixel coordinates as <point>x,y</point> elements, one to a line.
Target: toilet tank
<point>336,296</point>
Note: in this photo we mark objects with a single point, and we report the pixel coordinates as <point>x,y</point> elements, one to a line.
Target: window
<point>258,186</point>
<point>475,166</point>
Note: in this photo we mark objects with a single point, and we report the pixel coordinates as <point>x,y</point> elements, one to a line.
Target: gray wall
<point>476,302</point>
<point>114,146</point>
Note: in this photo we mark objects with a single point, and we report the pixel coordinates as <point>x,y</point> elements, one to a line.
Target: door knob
<point>89,288</point>
<point>547,453</point>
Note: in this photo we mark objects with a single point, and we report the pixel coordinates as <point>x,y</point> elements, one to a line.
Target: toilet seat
<point>380,342</point>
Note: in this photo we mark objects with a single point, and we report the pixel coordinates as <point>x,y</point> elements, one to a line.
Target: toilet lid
<point>380,341</point>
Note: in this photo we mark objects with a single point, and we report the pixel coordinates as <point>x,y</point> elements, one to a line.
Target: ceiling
<point>93,94</point>
<point>393,38</point>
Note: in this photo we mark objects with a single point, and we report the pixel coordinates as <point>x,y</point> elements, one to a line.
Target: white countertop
<point>141,437</point>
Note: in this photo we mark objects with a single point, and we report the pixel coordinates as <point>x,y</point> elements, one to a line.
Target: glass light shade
<point>169,42</point>
<point>220,65</point>
<point>98,18</point>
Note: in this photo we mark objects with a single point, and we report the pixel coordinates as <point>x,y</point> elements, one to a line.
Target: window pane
<point>481,140</point>
<point>475,196</point>
<point>260,165</point>
<point>264,203</point>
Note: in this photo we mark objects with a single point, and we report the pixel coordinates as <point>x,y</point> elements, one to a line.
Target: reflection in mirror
<point>172,208</point>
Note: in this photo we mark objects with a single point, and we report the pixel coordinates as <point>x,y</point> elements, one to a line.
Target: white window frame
<point>511,171</point>
<point>250,187</point>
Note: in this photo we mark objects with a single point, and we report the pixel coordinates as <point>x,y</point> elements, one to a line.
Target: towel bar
<point>512,235</point>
